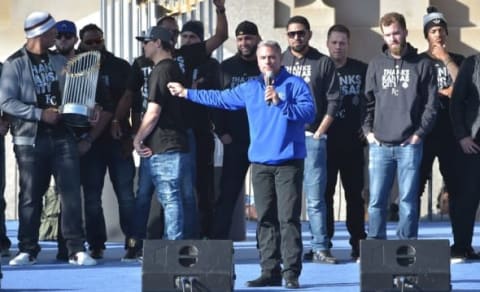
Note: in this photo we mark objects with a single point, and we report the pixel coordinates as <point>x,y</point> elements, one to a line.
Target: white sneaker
<point>454,261</point>
<point>82,258</point>
<point>22,259</point>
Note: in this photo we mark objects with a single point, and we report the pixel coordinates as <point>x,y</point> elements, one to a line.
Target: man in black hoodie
<point>400,110</point>
<point>318,71</point>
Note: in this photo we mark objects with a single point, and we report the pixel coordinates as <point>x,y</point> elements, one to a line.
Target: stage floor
<point>113,275</point>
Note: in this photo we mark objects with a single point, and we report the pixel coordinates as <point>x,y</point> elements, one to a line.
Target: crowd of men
<point>297,118</point>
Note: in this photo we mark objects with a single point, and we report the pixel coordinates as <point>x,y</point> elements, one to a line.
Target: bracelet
<point>221,10</point>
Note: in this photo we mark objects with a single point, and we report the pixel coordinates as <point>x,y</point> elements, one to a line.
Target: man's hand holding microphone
<point>271,96</point>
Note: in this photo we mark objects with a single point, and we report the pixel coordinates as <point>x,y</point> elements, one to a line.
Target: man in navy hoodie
<point>400,110</point>
<point>278,106</point>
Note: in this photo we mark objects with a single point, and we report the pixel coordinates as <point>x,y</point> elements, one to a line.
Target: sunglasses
<point>299,33</point>
<point>145,42</point>
<point>93,42</point>
<point>65,35</point>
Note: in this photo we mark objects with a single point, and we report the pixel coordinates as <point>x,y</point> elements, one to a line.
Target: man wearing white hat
<point>30,93</point>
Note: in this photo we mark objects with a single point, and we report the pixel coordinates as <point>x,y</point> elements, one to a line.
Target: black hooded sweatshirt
<point>401,96</point>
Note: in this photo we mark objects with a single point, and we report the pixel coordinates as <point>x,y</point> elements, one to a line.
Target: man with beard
<point>101,152</point>
<point>346,142</point>
<point>318,71</point>
<point>31,87</point>
<point>232,129</point>
<point>401,107</point>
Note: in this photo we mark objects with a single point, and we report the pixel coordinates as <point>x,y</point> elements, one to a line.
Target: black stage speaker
<point>405,265</point>
<point>188,265</point>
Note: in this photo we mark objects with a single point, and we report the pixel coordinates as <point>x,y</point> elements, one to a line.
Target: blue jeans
<point>167,172</point>
<point>143,199</point>
<point>107,153</point>
<point>384,162</point>
<point>314,184</point>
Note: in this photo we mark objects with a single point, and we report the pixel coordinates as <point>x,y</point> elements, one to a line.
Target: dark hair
<point>167,46</point>
<point>338,28</point>
<point>299,19</point>
<point>89,27</point>
<point>166,18</point>
<point>393,17</point>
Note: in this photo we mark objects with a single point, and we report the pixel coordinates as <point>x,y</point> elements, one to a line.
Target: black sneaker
<point>62,256</point>
<point>5,252</point>
<point>131,255</point>
<point>265,281</point>
<point>292,283</point>
<point>308,256</point>
<point>355,254</point>
<point>324,257</point>
<point>96,253</point>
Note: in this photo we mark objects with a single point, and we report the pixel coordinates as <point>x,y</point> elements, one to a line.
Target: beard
<point>396,49</point>
<point>64,50</point>
<point>248,53</point>
<point>298,48</point>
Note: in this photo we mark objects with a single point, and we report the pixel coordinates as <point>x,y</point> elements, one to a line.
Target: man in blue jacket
<point>278,106</point>
<point>401,108</point>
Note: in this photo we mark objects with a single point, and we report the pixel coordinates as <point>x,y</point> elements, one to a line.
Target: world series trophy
<point>78,101</point>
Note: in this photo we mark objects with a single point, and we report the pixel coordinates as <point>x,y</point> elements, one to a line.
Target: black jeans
<point>444,148</point>
<point>278,200</point>
<point>204,183</point>
<point>350,163</point>
<point>4,240</point>
<point>54,153</point>
<point>105,154</point>
<point>465,199</point>
<point>234,169</point>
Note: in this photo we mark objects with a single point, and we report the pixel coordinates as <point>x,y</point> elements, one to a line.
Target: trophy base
<point>76,115</point>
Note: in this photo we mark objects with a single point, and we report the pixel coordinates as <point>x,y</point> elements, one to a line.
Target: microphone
<point>269,80</point>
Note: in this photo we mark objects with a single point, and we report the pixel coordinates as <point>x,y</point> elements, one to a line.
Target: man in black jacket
<point>464,110</point>
<point>401,108</point>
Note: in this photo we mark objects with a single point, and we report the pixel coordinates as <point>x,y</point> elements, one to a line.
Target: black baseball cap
<point>246,27</point>
<point>155,33</point>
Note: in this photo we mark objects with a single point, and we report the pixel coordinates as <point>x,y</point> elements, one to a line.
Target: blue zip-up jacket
<point>277,132</point>
<point>17,94</point>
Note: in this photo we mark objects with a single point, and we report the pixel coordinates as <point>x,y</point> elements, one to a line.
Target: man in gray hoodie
<point>400,110</point>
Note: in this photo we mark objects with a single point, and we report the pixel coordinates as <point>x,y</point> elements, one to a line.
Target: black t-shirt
<point>190,57</point>
<point>443,126</point>
<point>348,120</point>
<point>235,71</point>
<point>138,83</point>
<point>47,88</point>
<point>169,134</point>
<point>45,81</point>
<point>198,116</point>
